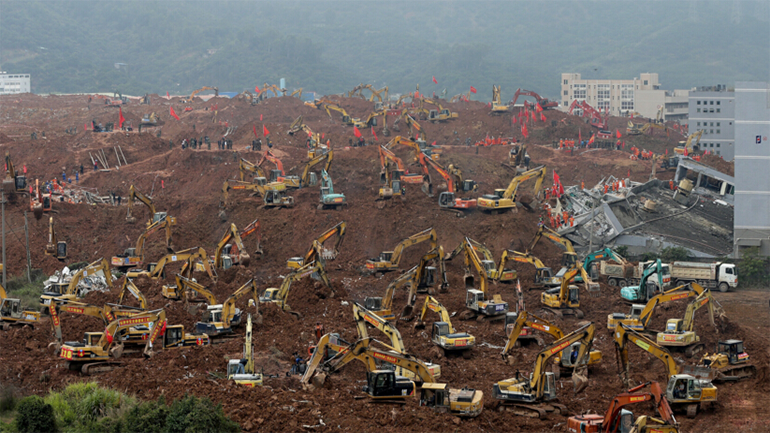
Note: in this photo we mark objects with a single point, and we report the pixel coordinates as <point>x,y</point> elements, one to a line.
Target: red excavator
<point>545,103</point>
<point>617,419</point>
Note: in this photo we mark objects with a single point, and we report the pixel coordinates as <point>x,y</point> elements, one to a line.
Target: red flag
<point>416,136</point>
<point>85,127</point>
<point>375,134</point>
<point>172,113</point>
<point>666,152</point>
<point>309,134</point>
<point>168,96</point>
<point>580,136</point>
<point>265,131</point>
<point>591,140</point>
<point>542,117</point>
<point>686,153</point>
<point>121,119</point>
<point>538,108</point>
<point>92,125</point>
<point>617,133</point>
<point>260,117</point>
<point>356,132</point>
<point>473,89</point>
<point>254,128</point>
<point>433,144</point>
<point>524,131</point>
<point>256,89</point>
<point>561,189</point>
<point>556,179</point>
<point>534,119</point>
<point>108,335</point>
<point>322,135</point>
<point>434,80</point>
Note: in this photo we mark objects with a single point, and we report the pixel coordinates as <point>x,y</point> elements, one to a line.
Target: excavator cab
<point>569,260</point>
<point>159,216</point>
<point>373,303</point>
<point>573,299</point>
<point>543,275</point>
<point>275,174</point>
<point>427,280</point>
<point>674,326</point>
<point>489,267</point>
<point>734,351</point>
<point>446,199</point>
<point>382,384</point>
<point>439,329</point>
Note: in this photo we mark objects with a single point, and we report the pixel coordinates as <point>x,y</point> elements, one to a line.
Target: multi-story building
<point>641,95</point>
<point>11,84</point>
<point>712,110</point>
<point>752,156</point>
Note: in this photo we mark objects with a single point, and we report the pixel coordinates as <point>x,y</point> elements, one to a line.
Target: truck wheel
<point>723,287</point>
<point>612,282</point>
<point>622,283</point>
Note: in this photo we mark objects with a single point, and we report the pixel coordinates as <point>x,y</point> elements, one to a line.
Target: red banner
<point>265,131</point>
<point>121,119</point>
<point>473,89</point>
<point>356,132</point>
<point>172,113</point>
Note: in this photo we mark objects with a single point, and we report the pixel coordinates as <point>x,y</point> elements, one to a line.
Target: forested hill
<point>329,47</point>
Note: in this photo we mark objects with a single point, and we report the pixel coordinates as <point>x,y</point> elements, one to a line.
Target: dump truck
<point>710,275</point>
<point>619,276</point>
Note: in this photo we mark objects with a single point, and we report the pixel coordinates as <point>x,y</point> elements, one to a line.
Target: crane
<point>683,390</point>
<point>505,199</point>
<point>389,260</point>
<point>478,301</point>
<point>443,334</point>
<point>317,249</point>
<point>528,396</point>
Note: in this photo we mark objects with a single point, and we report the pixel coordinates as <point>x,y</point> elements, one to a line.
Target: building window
<point>566,82</point>
<point>718,152</point>
<point>711,131</point>
<point>711,102</point>
<point>719,124</point>
<point>711,110</point>
<point>719,131</point>
<point>719,110</point>
<point>645,82</point>
<point>698,102</point>
<point>698,110</point>
<point>718,102</point>
<point>717,144</point>
<point>566,92</point>
<point>698,123</point>
<point>712,124</point>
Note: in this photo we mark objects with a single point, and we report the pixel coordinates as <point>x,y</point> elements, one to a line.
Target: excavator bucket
<point>579,381</point>
<point>407,312</point>
<point>131,219</point>
<point>37,210</point>
<point>50,249</point>
<point>244,258</point>
<point>318,380</point>
<point>9,185</point>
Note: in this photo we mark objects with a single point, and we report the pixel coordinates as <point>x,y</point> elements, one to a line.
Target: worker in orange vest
<point>605,188</point>
<point>671,184</point>
<point>571,221</point>
<point>565,217</point>
<point>582,185</point>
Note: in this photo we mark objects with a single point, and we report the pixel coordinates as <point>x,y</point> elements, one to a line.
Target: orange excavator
<point>447,199</point>
<point>617,419</point>
<point>544,103</point>
<point>278,175</point>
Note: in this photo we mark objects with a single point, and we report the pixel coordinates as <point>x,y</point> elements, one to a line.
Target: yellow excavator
<point>419,146</point>
<point>565,299</point>
<point>130,287</point>
<point>13,182</point>
<point>497,105</point>
<point>277,175</point>
<point>156,271</point>
<point>443,334</point>
<point>478,301</point>
<point>54,247</point>
<point>534,396</point>
<point>203,89</point>
<point>543,274</point>
<point>728,363</point>
<point>279,295</point>
<point>242,370</point>
<point>421,278</point>
<point>69,289</point>
<point>679,334</point>
<point>133,257</point>
<point>683,391</point>
<point>495,272</point>
<point>691,144</point>
<point>640,315</point>
<point>569,256</point>
<point>315,146</point>
<point>99,351</point>
<point>440,114</point>
<point>12,313</point>
<point>505,199</point>
<point>397,174</point>
<point>135,194</point>
<point>221,318</point>
<point>565,360</point>
<point>386,386</point>
<point>362,316</point>
<point>226,256</point>
<point>317,249</point>
<point>371,120</point>
<point>130,337</point>
<point>389,260</point>
<point>273,195</point>
<point>309,178</point>
<point>246,168</point>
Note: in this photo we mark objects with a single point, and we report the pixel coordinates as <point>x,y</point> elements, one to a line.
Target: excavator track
<point>100,367</point>
<point>733,374</point>
<point>533,410</point>
<point>561,312</point>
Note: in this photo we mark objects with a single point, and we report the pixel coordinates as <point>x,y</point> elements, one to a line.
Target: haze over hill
<point>73,46</point>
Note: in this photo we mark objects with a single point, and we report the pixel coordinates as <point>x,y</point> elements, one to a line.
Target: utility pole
<point>2,204</point>
<point>29,259</point>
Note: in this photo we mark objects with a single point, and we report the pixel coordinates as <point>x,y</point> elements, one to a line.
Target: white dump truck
<point>710,275</point>
<point>620,276</point>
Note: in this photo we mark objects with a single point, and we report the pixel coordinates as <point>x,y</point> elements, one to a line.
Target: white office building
<point>11,84</point>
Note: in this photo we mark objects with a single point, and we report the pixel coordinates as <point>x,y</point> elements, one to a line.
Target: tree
<point>193,415</point>
<point>674,254</point>
<point>34,415</point>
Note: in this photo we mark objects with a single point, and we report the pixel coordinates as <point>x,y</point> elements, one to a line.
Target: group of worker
<point>224,144</point>
<point>195,143</point>
<point>557,219</point>
<point>614,186</point>
<point>644,155</point>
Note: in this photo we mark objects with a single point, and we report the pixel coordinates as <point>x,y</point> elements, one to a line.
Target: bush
<point>194,415</point>
<point>674,254</point>
<point>649,256</point>
<point>86,406</point>
<point>622,250</point>
<point>753,267</point>
<point>34,415</point>
<point>148,416</point>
